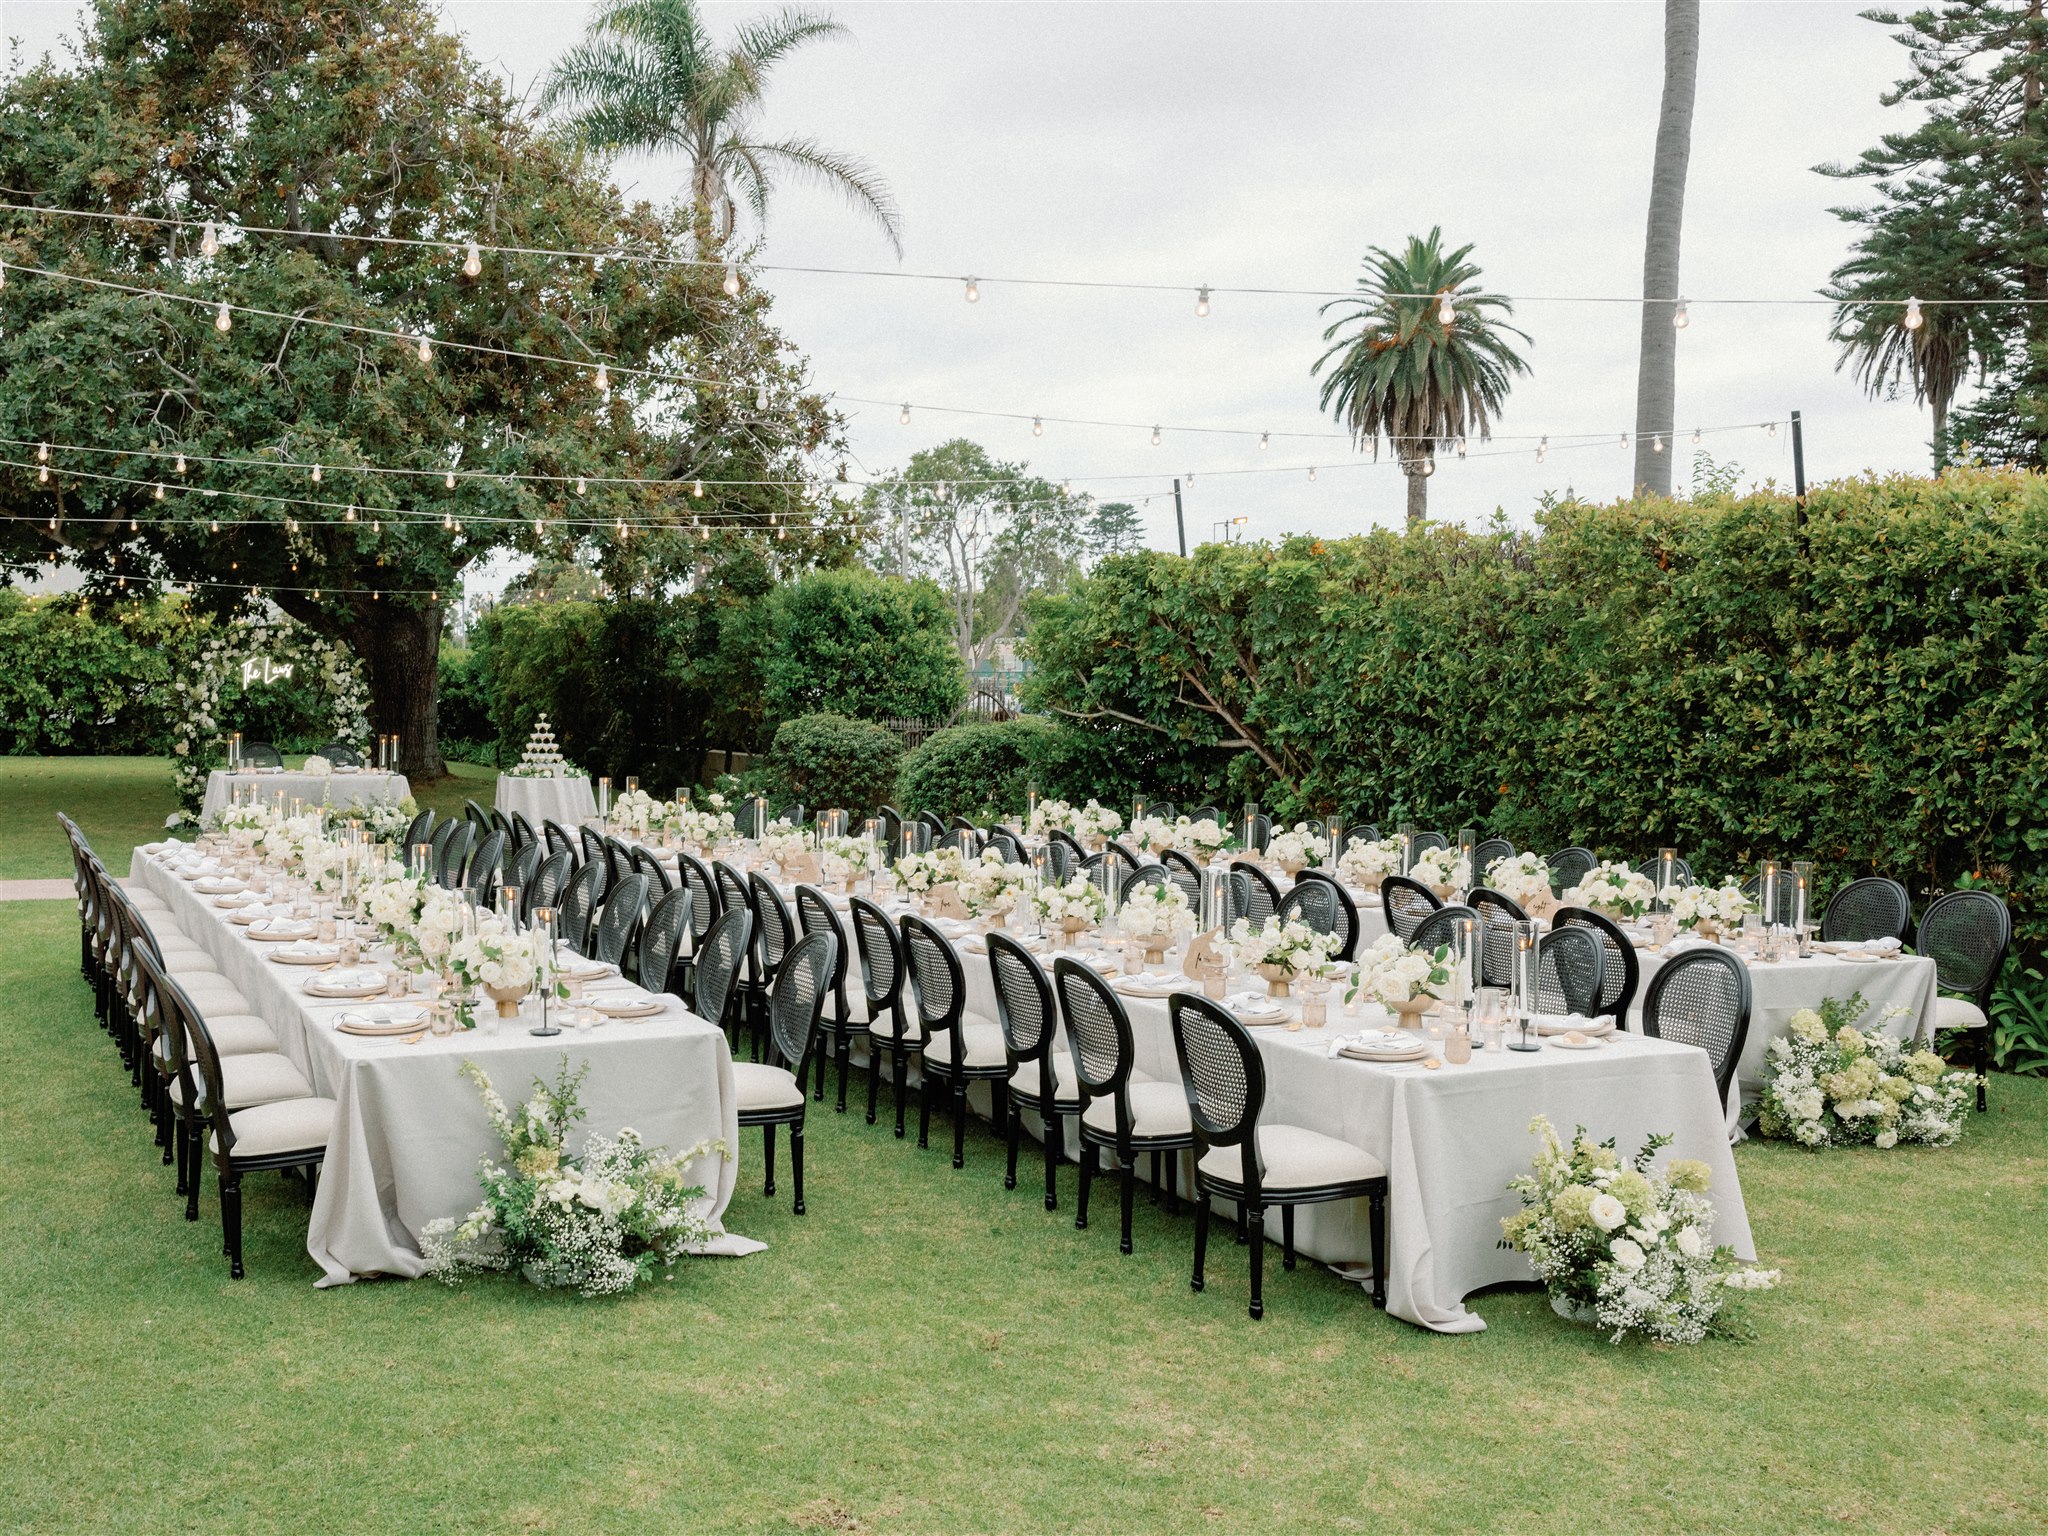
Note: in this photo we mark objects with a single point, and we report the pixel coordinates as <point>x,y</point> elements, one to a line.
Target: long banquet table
<point>360,786</point>
<point>410,1131</point>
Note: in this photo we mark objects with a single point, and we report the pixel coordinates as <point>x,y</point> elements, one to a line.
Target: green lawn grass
<point>925,1352</point>
<point>122,801</point>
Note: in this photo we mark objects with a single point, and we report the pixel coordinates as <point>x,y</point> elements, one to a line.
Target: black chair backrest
<point>1487,851</point>
<point>1098,1033</point>
<point>592,845</point>
<point>645,863</point>
<point>1062,859</point>
<point>558,837</point>
<point>1262,831</point>
<point>1622,970</point>
<point>1702,998</point>
<point>881,956</point>
<point>1144,874</point>
<point>1425,841</point>
<point>1061,837</point>
<point>794,813</point>
<point>341,754</point>
<point>520,868</point>
<point>486,865</point>
<point>261,754</point>
<point>1498,915</point>
<point>1438,929</point>
<point>719,959</point>
<point>522,830</point>
<point>1313,902</point>
<point>814,914</point>
<point>1871,908</point>
<point>619,856</point>
<point>696,875</point>
<point>1184,872</point>
<point>892,831</point>
<point>421,831</point>
<point>623,905</point>
<point>1966,934</point>
<point>932,823</point>
<point>1568,866</point>
<point>1207,813</point>
<point>1025,1008</point>
<point>1223,1075</point>
<point>454,857</point>
<point>777,929</point>
<point>549,880</point>
<point>1007,845</point>
<point>1406,903</point>
<point>937,987</point>
<point>1121,854</point>
<point>1347,911</point>
<point>1265,895</point>
<point>476,816</point>
<point>579,906</point>
<point>661,939</point>
<point>1241,888</point>
<point>443,835</point>
<point>1163,810</point>
<point>1753,888</point>
<point>801,984</point>
<point>1570,966</point>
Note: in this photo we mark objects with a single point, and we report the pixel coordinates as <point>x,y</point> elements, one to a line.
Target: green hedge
<point>978,770</point>
<point>1867,688</point>
<point>849,642</point>
<point>828,761</point>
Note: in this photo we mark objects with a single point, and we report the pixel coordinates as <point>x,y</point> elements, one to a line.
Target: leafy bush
<point>2019,1021</point>
<point>467,732</point>
<point>75,682</point>
<point>854,643</point>
<point>1865,687</point>
<point>977,770</point>
<point>827,760</point>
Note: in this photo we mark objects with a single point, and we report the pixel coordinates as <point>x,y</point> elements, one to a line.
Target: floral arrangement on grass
<point>707,821</point>
<point>1724,905</point>
<point>917,873</point>
<point>1388,971</point>
<point>1298,847</point>
<point>1156,912</point>
<point>990,886</point>
<point>1611,887</point>
<point>1291,946</point>
<point>639,812</point>
<point>1366,863</point>
<point>1079,898</point>
<point>1050,816</point>
<point>599,1221</point>
<point>1207,837</point>
<point>1443,869</point>
<point>1630,1250</point>
<point>1829,1084</point>
<point>849,857</point>
<point>1153,834</point>
<point>1096,820</point>
<point>1521,877</point>
<point>783,841</point>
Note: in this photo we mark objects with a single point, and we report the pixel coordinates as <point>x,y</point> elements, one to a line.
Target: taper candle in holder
<point>1767,894</point>
<point>1137,810</point>
<point>1248,832</point>
<point>1465,968</point>
<point>963,840</point>
<point>1407,846</point>
<point>757,814</point>
<point>544,965</point>
<point>1802,900</point>
<point>604,799</point>
<point>1215,897</point>
<point>1524,961</point>
<point>422,859</point>
<point>1030,807</point>
<point>1468,847</point>
<point>508,904</point>
<point>1041,876</point>
<point>394,751</point>
<point>1667,878</point>
<point>917,837</point>
<point>1334,826</point>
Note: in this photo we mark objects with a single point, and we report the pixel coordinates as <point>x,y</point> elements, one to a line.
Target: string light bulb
<point>472,260</point>
<point>181,464</point>
<point>903,416</point>
<point>1037,426</point>
<point>1657,443</point>
<point>1461,445</point>
<point>426,348</point>
<point>377,527</point>
<point>209,240</point>
<point>1624,442</point>
<point>43,475</point>
<point>1311,471</point>
<point>1202,302</point>
<point>1265,439</point>
<point>1155,437</point>
<point>1681,317</point>
<point>223,319</point>
<point>973,291</point>
<point>1696,436</point>
<point>159,490</point>
<point>1542,449</point>
<point>213,526</point>
<point>1770,429</point>
<point>761,397</point>
<point>696,487</point>
<point>42,453</point>
<point>133,526</point>
<point>350,515</point>
<point>316,474</point>
<point>731,285</point>
<point>448,481</point>
<point>1914,319</point>
<point>582,485</point>
<point>1446,311</point>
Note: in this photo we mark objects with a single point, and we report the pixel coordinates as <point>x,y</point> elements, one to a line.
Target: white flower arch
<point>201,742</point>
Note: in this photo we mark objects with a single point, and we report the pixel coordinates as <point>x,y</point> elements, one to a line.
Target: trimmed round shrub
<point>978,770</point>
<point>828,760</point>
<point>855,643</point>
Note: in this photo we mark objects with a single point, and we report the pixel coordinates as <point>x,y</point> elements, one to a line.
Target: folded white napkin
<point>305,947</point>
<point>349,981</point>
<point>1883,946</point>
<point>277,925</point>
<point>1373,1040</point>
<point>1685,941</point>
<point>1559,1023</point>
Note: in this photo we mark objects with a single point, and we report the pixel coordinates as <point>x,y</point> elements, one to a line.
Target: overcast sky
<point>1271,145</point>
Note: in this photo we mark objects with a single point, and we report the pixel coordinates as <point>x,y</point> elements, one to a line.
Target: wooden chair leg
<point>1130,1184</point>
<point>1011,1132</point>
<point>231,1221</point>
<point>195,1164</point>
<point>796,1163</point>
<point>874,1078</point>
<point>960,1123</point>
<point>1090,1153</point>
<point>845,1055</point>
<point>1287,1237</point>
<point>1256,1220</point>
<point>1055,1138</point>
<point>768,1158</point>
<point>924,1108</point>
<point>902,1088</point>
<point>1376,1217</point>
<point>1201,1235</point>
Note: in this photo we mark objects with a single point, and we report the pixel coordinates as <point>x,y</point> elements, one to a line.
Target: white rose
<point>1609,1213</point>
<point>1628,1258</point>
<point>1887,1138</point>
<point>1689,1242</point>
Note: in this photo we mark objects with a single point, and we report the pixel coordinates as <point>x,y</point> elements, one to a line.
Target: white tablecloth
<point>1779,989</point>
<point>410,1131</point>
<point>566,802</point>
<point>359,788</point>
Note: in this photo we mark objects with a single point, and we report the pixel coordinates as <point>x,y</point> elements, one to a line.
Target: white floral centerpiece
<point>1612,888</point>
<point>433,933</point>
<point>1280,951</point>
<point>1297,848</point>
<point>848,858</point>
<point>1524,878</point>
<point>1390,973</point>
<point>318,766</point>
<point>1071,907</point>
<point>385,822</point>
<point>1829,1084</point>
<point>638,812</point>
<point>1366,864</point>
<point>501,958</point>
<point>1158,916</point>
<point>243,823</point>
<point>392,900</point>
<point>1094,821</point>
<point>598,1221</point>
<point>1630,1250</point>
<point>782,841</point>
<point>1443,870</point>
<point>917,873</point>
<point>1204,839</point>
<point>707,822</point>
<point>989,886</point>
<point>1051,816</point>
<point>1152,834</point>
<point>1705,908</point>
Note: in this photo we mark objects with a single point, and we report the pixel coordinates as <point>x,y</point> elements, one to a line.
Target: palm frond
<point>848,175</point>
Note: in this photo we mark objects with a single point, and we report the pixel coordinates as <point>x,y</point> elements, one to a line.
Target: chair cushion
<point>213,994</point>
<point>235,1034</point>
<point>1157,1109</point>
<point>885,1027</point>
<point>856,1009</point>
<point>291,1125</point>
<point>764,1087</point>
<point>193,964</point>
<point>1958,1013</point>
<point>981,1046</point>
<point>258,1078</point>
<point>1291,1157</point>
<point>1024,1082</point>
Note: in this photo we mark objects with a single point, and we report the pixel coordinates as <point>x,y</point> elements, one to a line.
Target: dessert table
<point>567,801</point>
<point>409,1131</point>
<point>344,786</point>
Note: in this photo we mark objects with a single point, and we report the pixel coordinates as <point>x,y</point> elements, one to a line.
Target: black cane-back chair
<point>1440,927</point>
<point>1967,935</point>
<point>578,910</point>
<point>1568,866</point>
<point>620,920</point>
<point>661,941</point>
<point>1185,873</point>
<point>1041,1077</point>
<point>1265,895</point>
<point>1570,966</point>
<point>883,975</point>
<point>1122,1109</point>
<point>341,754</point>
<point>421,831</point>
<point>1315,902</point>
<point>957,1050</point>
<point>481,877</point>
<point>1702,998</point>
<point>1498,915</point>
<point>549,881</point>
<point>1870,908</point>
<point>1406,903</point>
<point>720,960</point>
<point>1489,850</point>
<point>771,1092</point>
<point>1256,1165</point>
<point>261,754</point>
<point>814,914</point>
<point>1623,971</point>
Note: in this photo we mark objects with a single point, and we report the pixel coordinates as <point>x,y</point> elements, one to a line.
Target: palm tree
<point>1657,370</point>
<point>1407,373</point>
<point>649,77</point>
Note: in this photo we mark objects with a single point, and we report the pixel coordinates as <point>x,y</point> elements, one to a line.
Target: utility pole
<point>1798,470</point>
<point>1180,523</point>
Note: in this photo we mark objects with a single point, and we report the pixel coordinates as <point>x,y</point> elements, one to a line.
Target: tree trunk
<point>400,648</point>
<point>1418,494</point>
<point>1657,371</point>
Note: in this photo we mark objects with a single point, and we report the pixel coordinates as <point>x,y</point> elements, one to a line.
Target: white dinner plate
<point>1591,1043</point>
<point>624,1005</point>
